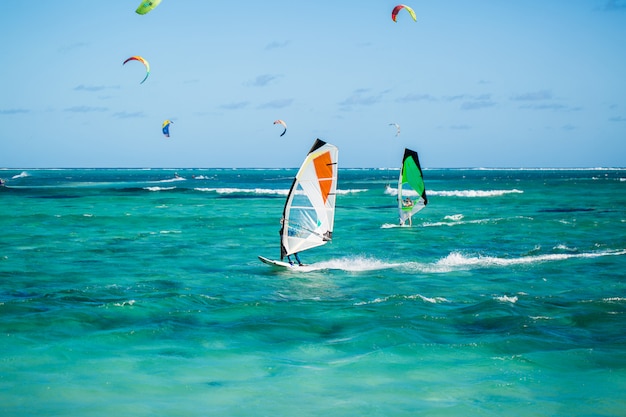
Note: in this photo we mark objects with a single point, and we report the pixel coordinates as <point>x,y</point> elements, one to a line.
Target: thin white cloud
<point>276,104</point>
<point>263,80</point>
<point>14,111</point>
<point>235,106</point>
<point>82,87</point>
<point>472,102</point>
<point>415,97</point>
<point>479,104</point>
<point>362,97</point>
<point>85,109</point>
<point>69,48</point>
<point>550,106</point>
<point>533,96</point>
<point>276,44</point>
<point>126,115</point>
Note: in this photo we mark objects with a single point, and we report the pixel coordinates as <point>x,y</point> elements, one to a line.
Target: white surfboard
<point>278,264</point>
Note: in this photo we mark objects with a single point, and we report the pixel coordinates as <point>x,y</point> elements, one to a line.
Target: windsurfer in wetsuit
<point>407,202</point>
<point>280,232</point>
<point>297,259</point>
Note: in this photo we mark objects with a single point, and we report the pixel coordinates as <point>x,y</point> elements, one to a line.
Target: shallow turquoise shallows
<point>139,293</point>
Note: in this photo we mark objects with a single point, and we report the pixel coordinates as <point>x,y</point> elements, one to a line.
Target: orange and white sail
<point>309,213</point>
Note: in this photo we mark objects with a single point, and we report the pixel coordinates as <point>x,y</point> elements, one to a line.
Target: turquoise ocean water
<point>139,293</point>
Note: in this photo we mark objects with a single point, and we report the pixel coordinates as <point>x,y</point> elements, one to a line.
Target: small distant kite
<point>396,10</point>
<point>166,128</point>
<point>280,122</point>
<point>146,6</point>
<point>397,128</point>
<point>144,62</point>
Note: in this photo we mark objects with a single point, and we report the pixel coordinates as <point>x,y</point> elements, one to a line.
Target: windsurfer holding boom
<point>408,203</point>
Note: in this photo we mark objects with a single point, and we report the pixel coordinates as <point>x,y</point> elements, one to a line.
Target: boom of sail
<point>411,189</point>
<point>309,213</point>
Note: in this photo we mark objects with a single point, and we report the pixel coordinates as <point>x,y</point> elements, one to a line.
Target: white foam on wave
<point>354,264</point>
<point>506,299</point>
<point>159,188</point>
<point>379,300</point>
<point>263,191</point>
<point>173,179</point>
<point>457,219</point>
<point>473,193</point>
<point>452,222</point>
<point>455,193</point>
<point>393,225</point>
<point>456,260</point>
<point>260,191</point>
<point>351,191</point>
<point>454,217</point>
<point>348,264</point>
<point>565,248</point>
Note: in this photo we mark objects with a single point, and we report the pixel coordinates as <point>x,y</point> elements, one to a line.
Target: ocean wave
<point>263,191</point>
<point>565,248</point>
<point>351,191</point>
<point>452,262</point>
<point>455,193</point>
<point>473,193</point>
<point>159,188</point>
<point>506,299</point>
<point>176,178</point>
<point>391,225</point>
<point>432,300</point>
<point>535,169</point>
<point>458,222</point>
<point>614,299</point>
<point>354,264</point>
<point>129,303</point>
<point>348,264</point>
<point>226,190</point>
<point>454,217</point>
<point>456,260</point>
<point>459,219</point>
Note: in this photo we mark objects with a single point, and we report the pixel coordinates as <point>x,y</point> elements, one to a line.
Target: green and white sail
<point>309,213</point>
<point>411,188</point>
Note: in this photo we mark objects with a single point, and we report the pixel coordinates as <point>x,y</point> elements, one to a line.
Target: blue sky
<point>472,83</point>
